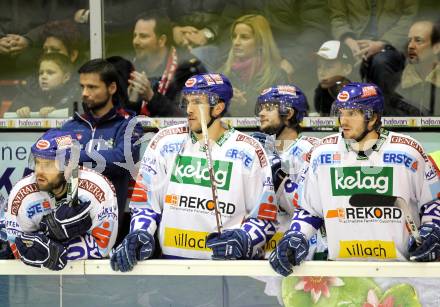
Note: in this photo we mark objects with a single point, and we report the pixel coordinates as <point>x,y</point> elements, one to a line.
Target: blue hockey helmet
<point>54,144</point>
<point>216,86</point>
<point>285,97</point>
<point>362,96</point>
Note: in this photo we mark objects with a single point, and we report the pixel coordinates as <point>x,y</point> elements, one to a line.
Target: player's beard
<point>51,186</point>
<point>96,106</point>
<point>273,128</point>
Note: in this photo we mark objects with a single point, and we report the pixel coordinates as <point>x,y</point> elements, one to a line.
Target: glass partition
<point>42,44</point>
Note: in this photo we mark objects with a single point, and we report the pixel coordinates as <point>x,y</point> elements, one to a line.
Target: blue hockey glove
<point>5,249</point>
<point>231,244</point>
<point>66,222</point>
<point>38,250</point>
<point>429,250</point>
<point>291,250</point>
<point>138,245</point>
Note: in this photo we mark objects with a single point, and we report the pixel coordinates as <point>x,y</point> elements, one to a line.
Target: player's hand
<point>429,250</point>
<point>5,249</point>
<point>44,111</point>
<point>140,84</point>
<point>24,112</point>
<point>137,246</point>
<point>291,250</point>
<point>66,221</point>
<point>370,47</point>
<point>231,244</point>
<point>38,250</point>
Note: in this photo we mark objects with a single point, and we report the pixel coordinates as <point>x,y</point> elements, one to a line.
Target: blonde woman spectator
<point>254,62</point>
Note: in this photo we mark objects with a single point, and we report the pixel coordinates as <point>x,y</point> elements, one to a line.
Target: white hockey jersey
<point>396,166</point>
<point>292,162</point>
<point>173,191</point>
<point>27,205</point>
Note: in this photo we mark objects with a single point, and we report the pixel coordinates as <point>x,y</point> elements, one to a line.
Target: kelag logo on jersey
<point>347,181</point>
<point>400,158</point>
<point>192,170</point>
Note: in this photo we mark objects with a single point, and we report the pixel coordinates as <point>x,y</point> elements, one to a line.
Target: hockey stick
<point>218,217</point>
<point>369,200</point>
<point>72,182</point>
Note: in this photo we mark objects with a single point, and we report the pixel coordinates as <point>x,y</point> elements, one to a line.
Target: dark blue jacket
<point>107,133</point>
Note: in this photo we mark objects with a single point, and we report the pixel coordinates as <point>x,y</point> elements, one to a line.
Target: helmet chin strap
<point>211,121</point>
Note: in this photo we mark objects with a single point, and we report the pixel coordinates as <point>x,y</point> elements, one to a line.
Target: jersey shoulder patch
<point>169,132</point>
<point>408,142</point>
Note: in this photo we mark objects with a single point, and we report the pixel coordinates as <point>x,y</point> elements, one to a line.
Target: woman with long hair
<point>253,64</point>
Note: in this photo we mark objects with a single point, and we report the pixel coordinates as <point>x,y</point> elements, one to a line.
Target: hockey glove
<point>291,250</point>
<point>38,250</point>
<point>138,245</point>
<point>429,250</point>
<point>5,249</point>
<point>230,245</point>
<point>66,222</point>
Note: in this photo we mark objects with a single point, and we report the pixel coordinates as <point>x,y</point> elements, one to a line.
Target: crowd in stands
<point>319,45</point>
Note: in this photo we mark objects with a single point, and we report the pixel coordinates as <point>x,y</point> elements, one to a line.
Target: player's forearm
<point>306,223</point>
<point>260,231</point>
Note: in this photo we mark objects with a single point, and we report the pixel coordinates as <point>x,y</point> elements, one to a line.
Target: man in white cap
<point>334,68</point>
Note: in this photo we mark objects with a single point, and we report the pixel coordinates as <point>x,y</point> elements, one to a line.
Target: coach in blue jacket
<point>101,130</point>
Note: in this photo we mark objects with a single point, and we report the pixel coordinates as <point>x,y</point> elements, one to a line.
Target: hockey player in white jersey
<point>50,219</point>
<point>369,186</point>
<point>281,109</point>
<point>173,197</point>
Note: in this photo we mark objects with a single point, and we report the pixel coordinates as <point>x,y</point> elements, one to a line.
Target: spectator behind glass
<point>161,69</point>
<point>196,26</point>
<point>334,68</point>
<point>63,36</point>
<point>375,31</point>
<point>54,90</point>
<point>421,77</point>
<point>124,68</point>
<point>253,63</point>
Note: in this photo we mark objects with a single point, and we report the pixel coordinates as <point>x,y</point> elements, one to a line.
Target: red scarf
<point>247,69</point>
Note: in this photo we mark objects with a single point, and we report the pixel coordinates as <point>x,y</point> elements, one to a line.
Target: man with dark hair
<point>161,70</point>
<point>421,76</point>
<point>102,129</point>
<point>62,36</point>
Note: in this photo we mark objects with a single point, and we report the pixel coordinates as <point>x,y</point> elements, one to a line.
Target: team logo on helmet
<point>343,96</point>
<point>287,90</point>
<point>64,142</point>
<point>190,82</point>
<point>368,91</point>
<point>43,144</point>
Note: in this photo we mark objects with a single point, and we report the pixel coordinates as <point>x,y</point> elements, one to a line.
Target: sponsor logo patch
<point>161,134</point>
<point>258,149</point>
<point>186,239</point>
<point>343,96</point>
<point>242,155</point>
<point>37,207</point>
<point>192,170</point>
<point>368,91</point>
<point>367,249</point>
<point>93,189</point>
<point>21,194</point>
<point>197,204</point>
<point>366,215</point>
<point>43,144</point>
<point>64,142</point>
<point>326,158</point>
<point>395,139</point>
<point>347,181</point>
<point>400,158</point>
